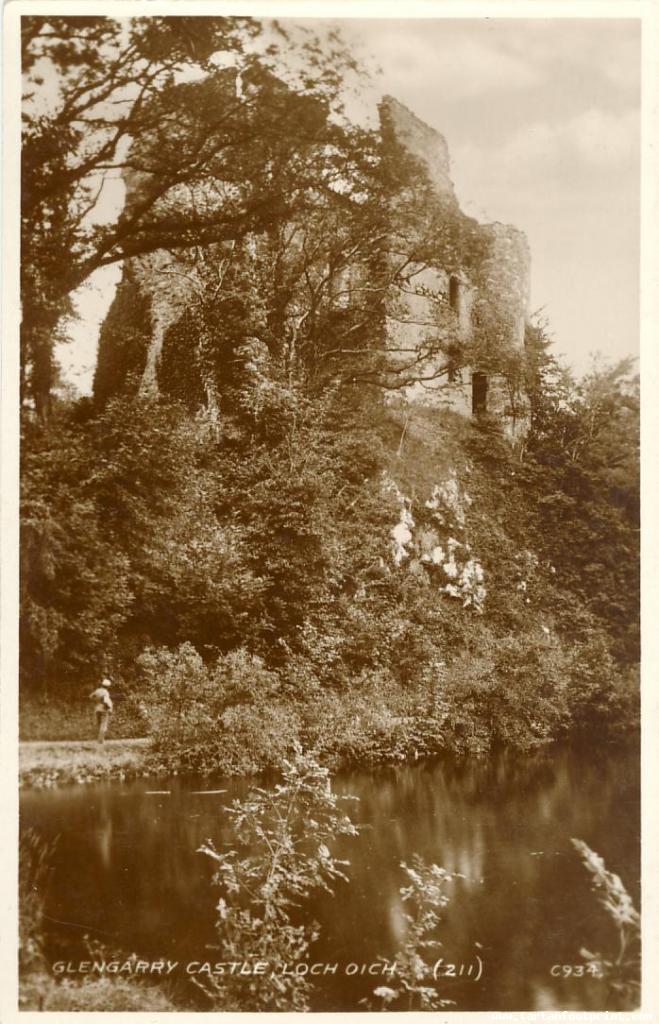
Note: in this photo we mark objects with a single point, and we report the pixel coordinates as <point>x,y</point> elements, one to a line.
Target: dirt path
<point>82,744</point>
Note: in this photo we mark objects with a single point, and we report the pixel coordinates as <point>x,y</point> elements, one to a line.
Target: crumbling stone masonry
<point>489,298</point>
<point>464,311</point>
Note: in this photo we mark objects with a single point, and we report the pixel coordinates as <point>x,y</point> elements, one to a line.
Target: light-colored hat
<point>106,682</point>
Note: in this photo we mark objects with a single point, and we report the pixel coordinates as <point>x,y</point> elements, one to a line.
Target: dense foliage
<point>263,545</point>
<point>585,445</point>
<point>243,584</point>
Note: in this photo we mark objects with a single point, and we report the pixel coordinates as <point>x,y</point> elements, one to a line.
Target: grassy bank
<point>72,718</point>
<point>48,763</point>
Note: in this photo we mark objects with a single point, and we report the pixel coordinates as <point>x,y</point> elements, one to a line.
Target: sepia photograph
<point>328,581</point>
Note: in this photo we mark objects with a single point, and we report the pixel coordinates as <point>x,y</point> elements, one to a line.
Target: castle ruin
<point>491,292</point>
<point>457,314</point>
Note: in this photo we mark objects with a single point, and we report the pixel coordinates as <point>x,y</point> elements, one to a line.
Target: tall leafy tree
<point>93,85</point>
<point>585,445</point>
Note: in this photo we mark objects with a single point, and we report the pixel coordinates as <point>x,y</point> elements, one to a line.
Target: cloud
<point>473,57</point>
<point>592,141</point>
<point>601,137</point>
<point>608,47</point>
<point>460,64</point>
<point>592,138</point>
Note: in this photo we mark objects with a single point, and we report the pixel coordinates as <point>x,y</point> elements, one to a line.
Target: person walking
<point>102,708</point>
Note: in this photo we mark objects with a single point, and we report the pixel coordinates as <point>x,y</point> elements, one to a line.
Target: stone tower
<point>489,295</point>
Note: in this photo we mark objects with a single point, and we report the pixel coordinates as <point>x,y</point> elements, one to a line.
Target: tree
<point>94,86</point>
<point>585,445</point>
<point>330,291</point>
<point>89,83</point>
<point>213,154</point>
<point>75,583</point>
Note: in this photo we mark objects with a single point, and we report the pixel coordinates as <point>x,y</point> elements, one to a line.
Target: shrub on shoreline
<point>237,717</point>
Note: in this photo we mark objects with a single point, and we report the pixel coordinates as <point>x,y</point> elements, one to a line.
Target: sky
<point>541,117</point>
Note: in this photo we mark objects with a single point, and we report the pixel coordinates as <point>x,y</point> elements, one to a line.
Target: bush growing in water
<point>412,988</point>
<point>622,969</point>
<point>282,856</point>
<point>33,875</point>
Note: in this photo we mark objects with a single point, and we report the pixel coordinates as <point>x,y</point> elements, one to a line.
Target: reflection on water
<point>127,870</point>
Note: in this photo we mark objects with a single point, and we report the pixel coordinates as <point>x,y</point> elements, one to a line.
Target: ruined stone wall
<point>475,306</point>
<point>489,302</point>
<point>419,311</point>
<point>505,277</point>
<point>163,277</point>
<point>422,141</point>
